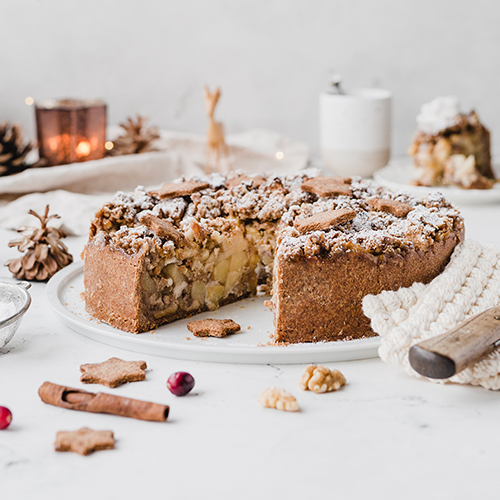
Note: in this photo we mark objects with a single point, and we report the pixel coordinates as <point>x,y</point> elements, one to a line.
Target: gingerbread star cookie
<point>397,208</point>
<point>324,220</point>
<point>328,186</point>
<point>213,327</point>
<point>113,372</point>
<point>255,181</point>
<point>176,189</point>
<point>84,441</point>
<point>162,228</point>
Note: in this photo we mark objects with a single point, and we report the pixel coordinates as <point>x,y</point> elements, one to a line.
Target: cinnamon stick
<point>77,399</point>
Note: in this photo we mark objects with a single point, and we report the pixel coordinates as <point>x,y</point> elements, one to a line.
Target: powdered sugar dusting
<point>438,115</point>
<point>171,208</point>
<point>370,231</point>
<point>280,199</point>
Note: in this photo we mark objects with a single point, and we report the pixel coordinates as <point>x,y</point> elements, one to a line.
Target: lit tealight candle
<point>83,149</point>
<point>71,130</point>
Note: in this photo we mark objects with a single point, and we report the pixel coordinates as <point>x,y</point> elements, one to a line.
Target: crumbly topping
<point>370,231</point>
<point>133,240</point>
<point>205,206</point>
<point>265,202</point>
<point>173,208</point>
<point>122,210</point>
<point>280,198</point>
<point>216,180</point>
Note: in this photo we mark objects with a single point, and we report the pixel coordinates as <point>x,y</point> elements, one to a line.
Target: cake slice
<point>451,148</point>
<point>154,257</point>
<point>138,278</point>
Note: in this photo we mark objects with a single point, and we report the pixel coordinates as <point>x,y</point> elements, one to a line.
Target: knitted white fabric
<point>469,285</point>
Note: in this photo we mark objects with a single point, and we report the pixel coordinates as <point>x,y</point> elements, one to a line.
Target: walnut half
<point>321,379</point>
<point>278,398</point>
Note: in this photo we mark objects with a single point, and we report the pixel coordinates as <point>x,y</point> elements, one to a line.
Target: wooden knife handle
<point>448,354</point>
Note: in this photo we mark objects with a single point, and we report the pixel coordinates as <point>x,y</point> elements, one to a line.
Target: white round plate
<point>400,172</point>
<point>64,293</point>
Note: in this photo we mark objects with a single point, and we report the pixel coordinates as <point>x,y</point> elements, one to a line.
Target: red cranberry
<point>5,417</point>
<point>180,383</point>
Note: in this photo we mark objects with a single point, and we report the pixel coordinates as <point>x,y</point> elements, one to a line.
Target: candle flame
<point>53,143</point>
<point>83,148</point>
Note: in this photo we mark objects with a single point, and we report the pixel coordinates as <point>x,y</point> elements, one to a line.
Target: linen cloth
<point>470,284</point>
<point>76,191</point>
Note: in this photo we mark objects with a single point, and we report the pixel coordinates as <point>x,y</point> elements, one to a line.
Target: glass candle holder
<point>70,130</point>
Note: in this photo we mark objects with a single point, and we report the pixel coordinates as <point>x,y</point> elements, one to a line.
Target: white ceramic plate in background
<point>64,293</point>
<point>400,172</point>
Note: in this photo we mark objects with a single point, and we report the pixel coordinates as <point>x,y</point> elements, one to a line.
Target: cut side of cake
<point>451,148</point>
<point>318,244</point>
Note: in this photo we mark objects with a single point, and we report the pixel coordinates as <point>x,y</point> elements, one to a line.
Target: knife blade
<point>448,354</point>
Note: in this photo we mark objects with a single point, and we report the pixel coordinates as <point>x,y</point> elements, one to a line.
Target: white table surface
<point>384,435</point>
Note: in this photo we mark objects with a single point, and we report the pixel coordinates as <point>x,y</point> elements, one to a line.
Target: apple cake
<point>451,148</point>
<point>317,244</point>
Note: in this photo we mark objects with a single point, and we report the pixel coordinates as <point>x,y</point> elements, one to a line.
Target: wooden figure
<point>215,133</point>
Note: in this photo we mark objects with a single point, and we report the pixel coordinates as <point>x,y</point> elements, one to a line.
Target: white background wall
<point>271,58</point>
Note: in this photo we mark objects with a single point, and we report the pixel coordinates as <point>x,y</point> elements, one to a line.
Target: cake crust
<point>339,284</point>
<point>113,291</point>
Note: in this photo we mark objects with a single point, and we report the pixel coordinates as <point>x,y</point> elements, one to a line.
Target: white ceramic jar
<point>355,131</point>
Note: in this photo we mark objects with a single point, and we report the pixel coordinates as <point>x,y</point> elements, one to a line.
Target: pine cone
<point>45,255</point>
<point>12,149</point>
<point>137,138</point>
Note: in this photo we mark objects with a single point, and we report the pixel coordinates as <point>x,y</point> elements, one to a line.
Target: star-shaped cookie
<point>84,441</point>
<point>328,186</point>
<point>397,208</point>
<point>176,189</point>
<point>213,327</point>
<point>113,372</point>
<point>324,220</point>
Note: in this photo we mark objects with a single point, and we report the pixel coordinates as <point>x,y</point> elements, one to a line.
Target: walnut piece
<point>321,379</point>
<point>278,398</point>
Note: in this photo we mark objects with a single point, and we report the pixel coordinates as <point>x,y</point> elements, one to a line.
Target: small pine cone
<point>13,149</point>
<point>137,138</point>
<point>45,253</point>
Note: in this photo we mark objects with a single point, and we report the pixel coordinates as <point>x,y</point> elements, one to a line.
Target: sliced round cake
<point>318,244</point>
